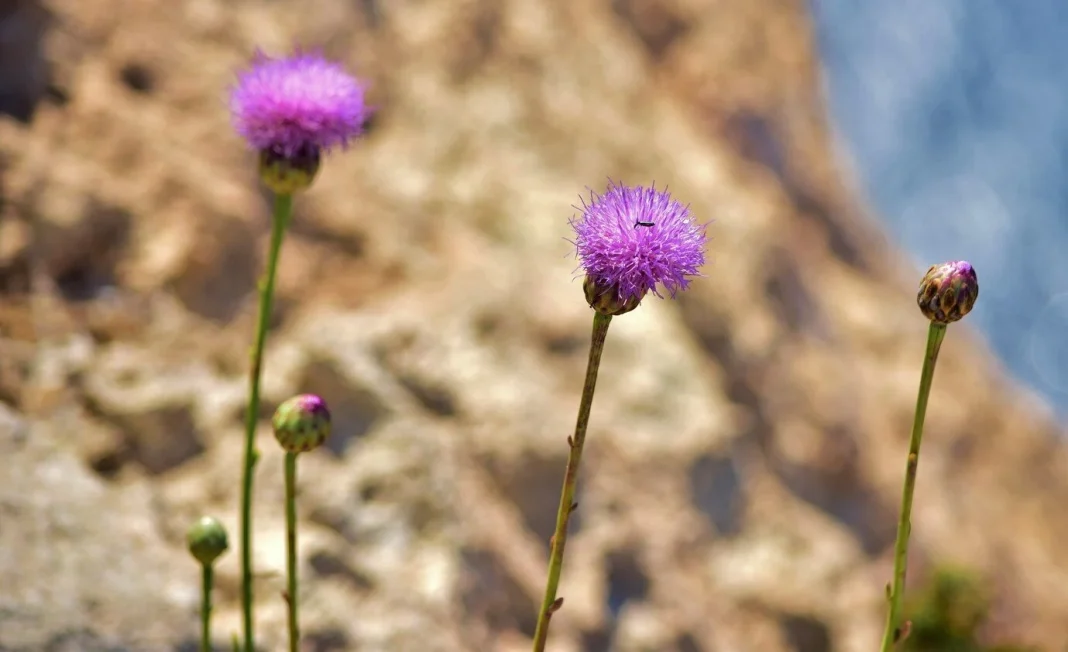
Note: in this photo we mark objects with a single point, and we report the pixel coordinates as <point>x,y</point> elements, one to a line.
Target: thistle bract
<point>301,423</point>
<point>606,300</point>
<point>633,241</point>
<point>948,291</point>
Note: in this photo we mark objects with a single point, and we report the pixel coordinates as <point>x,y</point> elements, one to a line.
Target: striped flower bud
<point>948,291</point>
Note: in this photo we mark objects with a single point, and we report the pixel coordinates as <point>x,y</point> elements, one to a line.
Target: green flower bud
<point>948,291</point>
<point>207,540</point>
<point>287,175</point>
<point>606,299</point>
<point>301,423</point>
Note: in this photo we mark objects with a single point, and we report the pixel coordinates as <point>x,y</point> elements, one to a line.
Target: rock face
<point>747,442</point>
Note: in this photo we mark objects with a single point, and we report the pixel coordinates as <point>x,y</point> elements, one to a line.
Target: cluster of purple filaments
<point>312,405</point>
<point>634,239</point>
<point>298,104</point>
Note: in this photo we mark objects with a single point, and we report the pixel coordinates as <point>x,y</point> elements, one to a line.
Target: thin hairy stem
<point>207,579</point>
<point>291,550</point>
<point>283,208</point>
<point>567,495</point>
<point>893,634</point>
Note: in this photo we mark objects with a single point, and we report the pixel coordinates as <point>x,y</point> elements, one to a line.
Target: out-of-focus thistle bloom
<point>207,540</point>
<point>301,423</point>
<point>948,291</point>
<point>631,240</point>
<point>294,109</point>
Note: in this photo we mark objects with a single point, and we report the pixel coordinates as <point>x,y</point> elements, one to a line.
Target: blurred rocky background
<point>747,442</point>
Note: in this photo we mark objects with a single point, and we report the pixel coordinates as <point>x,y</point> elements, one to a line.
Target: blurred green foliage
<point>947,613</point>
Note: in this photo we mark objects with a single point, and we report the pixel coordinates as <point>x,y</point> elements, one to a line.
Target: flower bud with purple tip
<point>301,423</point>
<point>292,111</point>
<point>632,240</point>
<point>948,291</point>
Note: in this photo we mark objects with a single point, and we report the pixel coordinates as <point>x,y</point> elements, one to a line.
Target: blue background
<point>954,114</point>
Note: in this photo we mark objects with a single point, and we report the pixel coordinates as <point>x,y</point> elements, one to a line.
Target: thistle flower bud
<point>301,423</point>
<point>207,540</point>
<point>948,291</point>
<point>606,299</point>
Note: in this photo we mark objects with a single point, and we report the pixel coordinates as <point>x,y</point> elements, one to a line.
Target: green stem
<point>935,335</point>
<point>283,208</point>
<point>205,608</point>
<point>567,495</point>
<point>291,550</point>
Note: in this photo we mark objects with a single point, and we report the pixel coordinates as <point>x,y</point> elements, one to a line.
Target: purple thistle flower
<point>300,105</point>
<point>630,240</point>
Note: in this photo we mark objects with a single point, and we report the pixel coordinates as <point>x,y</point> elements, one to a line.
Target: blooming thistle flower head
<point>632,240</point>
<point>301,423</point>
<point>294,109</point>
<point>948,291</point>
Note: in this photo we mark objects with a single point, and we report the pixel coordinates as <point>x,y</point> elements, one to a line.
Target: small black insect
<point>640,223</point>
